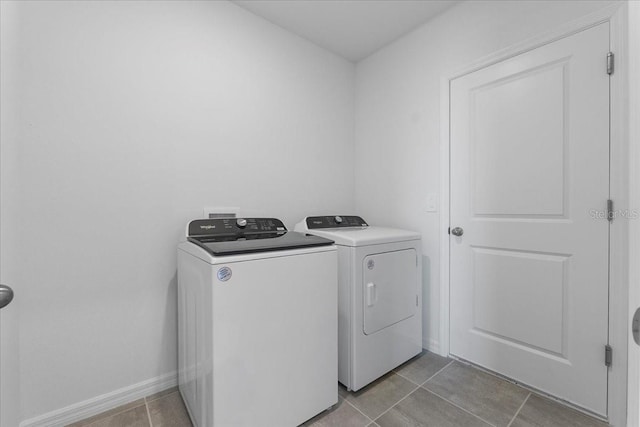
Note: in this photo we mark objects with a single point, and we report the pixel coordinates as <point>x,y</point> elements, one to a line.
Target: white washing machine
<point>257,319</point>
<point>379,296</point>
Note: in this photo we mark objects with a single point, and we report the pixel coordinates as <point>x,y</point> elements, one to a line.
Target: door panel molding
<point>616,14</point>
<point>504,322</point>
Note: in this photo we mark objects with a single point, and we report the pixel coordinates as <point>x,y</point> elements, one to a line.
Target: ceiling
<point>353,29</point>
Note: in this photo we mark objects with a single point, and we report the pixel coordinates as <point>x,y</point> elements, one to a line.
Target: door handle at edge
<point>6,295</point>
<point>635,326</point>
<point>457,231</point>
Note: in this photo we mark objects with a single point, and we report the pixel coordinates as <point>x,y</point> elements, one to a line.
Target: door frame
<point>620,172</point>
<point>633,50</point>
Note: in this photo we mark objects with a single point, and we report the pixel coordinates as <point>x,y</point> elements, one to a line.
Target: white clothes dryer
<point>257,323</point>
<point>379,295</point>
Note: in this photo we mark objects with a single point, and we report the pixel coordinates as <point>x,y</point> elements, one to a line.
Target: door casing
<point>620,171</point>
<point>633,61</point>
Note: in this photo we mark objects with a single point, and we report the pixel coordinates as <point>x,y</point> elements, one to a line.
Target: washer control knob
<point>338,219</point>
<point>241,222</point>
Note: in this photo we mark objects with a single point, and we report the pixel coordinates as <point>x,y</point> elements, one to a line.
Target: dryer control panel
<point>335,221</point>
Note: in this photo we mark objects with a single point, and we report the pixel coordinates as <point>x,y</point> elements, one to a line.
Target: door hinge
<point>608,355</point>
<point>610,213</point>
<point>610,61</point>
<point>416,300</point>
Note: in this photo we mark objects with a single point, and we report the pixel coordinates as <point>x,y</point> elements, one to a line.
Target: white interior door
<point>9,372</point>
<point>9,350</point>
<point>529,189</point>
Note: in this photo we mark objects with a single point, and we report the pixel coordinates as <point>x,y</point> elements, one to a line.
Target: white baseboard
<point>432,345</point>
<point>94,406</point>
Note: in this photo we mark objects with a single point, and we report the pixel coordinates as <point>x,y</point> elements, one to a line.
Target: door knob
<point>458,231</point>
<point>6,295</point>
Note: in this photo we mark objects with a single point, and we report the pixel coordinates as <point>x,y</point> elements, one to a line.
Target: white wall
<point>398,115</point>
<point>132,117</point>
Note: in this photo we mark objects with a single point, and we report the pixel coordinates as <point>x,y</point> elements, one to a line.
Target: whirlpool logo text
<point>224,274</point>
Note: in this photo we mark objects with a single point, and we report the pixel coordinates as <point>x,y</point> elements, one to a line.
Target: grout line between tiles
<point>532,390</point>
<point>459,407</point>
<point>161,394</point>
<point>412,391</point>
<point>354,407</point>
<point>519,409</point>
<point>408,379</point>
<point>146,405</point>
<point>392,406</point>
<point>409,362</point>
<point>442,369</point>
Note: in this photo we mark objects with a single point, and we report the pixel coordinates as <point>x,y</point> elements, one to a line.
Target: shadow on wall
<point>170,327</point>
<point>426,301</point>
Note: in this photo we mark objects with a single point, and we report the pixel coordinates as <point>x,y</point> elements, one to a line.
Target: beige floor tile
<point>342,391</point>
<point>424,409</point>
<point>541,412</point>
<point>107,414</point>
<point>169,411</point>
<point>161,394</point>
<point>381,395</point>
<point>136,417</point>
<point>480,393</point>
<point>422,367</point>
<point>342,415</point>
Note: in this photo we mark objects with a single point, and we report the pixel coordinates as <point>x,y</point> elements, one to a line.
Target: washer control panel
<point>335,221</point>
<point>235,226</point>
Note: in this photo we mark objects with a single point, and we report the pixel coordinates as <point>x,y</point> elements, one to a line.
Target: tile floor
<point>164,409</point>
<point>428,390</point>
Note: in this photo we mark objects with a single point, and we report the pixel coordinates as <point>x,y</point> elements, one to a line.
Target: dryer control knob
<point>338,219</point>
<point>241,222</point>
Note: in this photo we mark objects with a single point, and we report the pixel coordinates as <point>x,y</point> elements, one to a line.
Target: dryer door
<point>389,288</point>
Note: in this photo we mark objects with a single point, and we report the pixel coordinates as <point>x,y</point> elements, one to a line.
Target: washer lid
<point>231,236</point>
<point>259,243</point>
